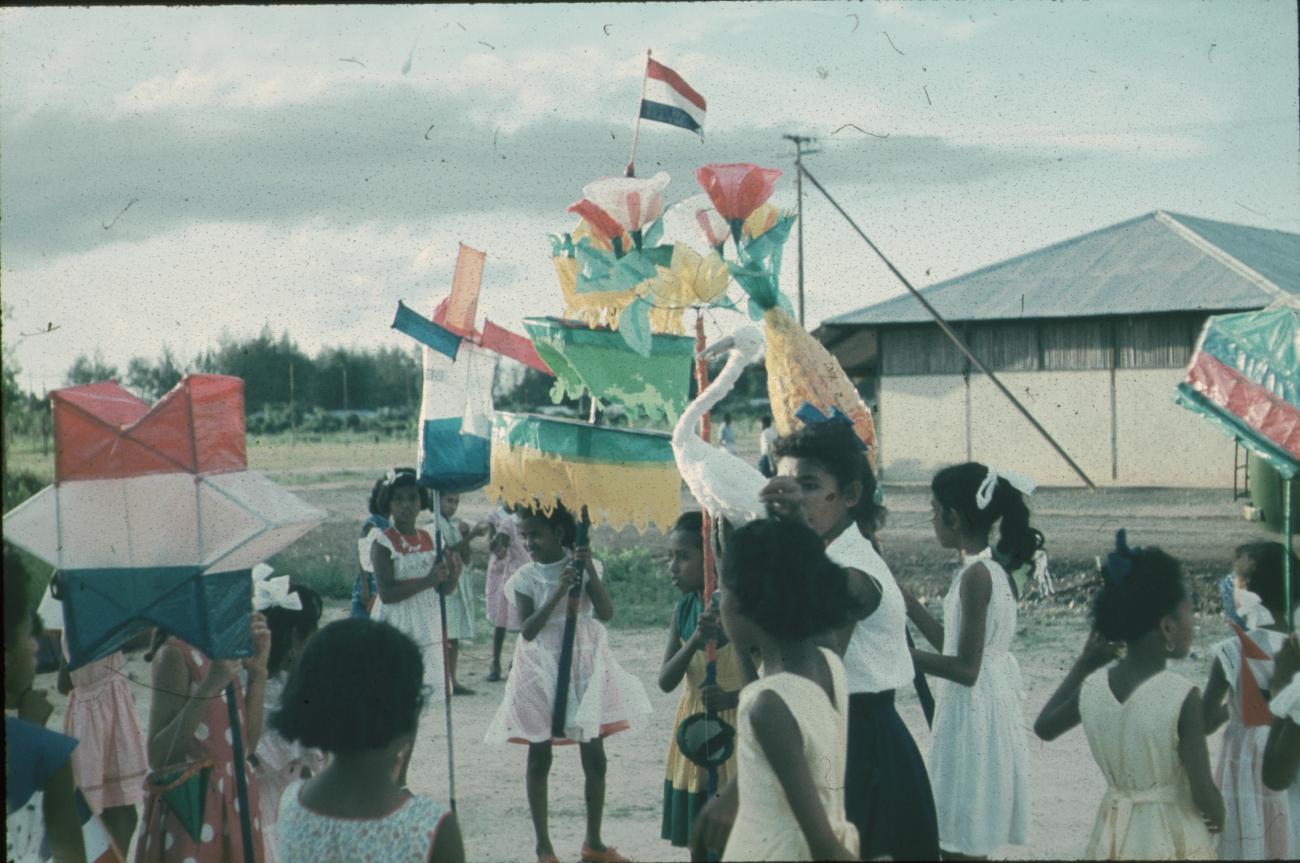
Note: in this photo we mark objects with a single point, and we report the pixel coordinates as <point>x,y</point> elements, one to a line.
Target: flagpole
<point>636,126</point>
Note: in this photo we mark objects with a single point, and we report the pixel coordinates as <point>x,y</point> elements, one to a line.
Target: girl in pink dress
<point>110,763</point>
<point>603,699</point>
<point>506,555</point>
<point>191,753</point>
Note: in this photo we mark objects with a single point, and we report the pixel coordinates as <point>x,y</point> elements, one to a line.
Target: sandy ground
<point>1066,789</point>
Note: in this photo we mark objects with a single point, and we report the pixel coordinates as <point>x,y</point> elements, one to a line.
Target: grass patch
<point>639,586</point>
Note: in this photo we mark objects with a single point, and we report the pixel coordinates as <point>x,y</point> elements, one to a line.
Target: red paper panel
<point>1269,415</point>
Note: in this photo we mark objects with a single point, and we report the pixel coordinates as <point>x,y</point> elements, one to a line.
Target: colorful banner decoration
<point>623,476</point>
<point>597,362</point>
<point>669,99</point>
<point>154,517</point>
<point>459,367</point>
<point>1245,378</point>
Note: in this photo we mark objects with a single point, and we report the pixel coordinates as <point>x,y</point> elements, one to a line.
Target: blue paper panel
<point>425,331</point>
<point>103,609</point>
<point>451,461</point>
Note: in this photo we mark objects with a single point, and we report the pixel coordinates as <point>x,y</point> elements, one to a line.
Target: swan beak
<point>718,348</point>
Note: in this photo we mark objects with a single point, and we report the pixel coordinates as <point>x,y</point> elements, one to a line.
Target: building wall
<point>923,426</point>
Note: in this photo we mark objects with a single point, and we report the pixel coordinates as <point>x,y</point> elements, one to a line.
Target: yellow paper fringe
<point>800,369</point>
<point>615,494</point>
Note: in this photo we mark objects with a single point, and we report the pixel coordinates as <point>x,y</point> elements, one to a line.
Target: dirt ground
<point>1200,527</point>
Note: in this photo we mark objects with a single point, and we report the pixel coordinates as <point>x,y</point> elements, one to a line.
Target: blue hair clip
<point>1119,563</point>
<point>809,415</point>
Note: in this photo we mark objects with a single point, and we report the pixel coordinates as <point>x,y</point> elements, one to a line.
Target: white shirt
<point>877,658</point>
<point>766,438</point>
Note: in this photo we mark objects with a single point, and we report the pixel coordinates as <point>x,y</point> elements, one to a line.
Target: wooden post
<point>630,171</point>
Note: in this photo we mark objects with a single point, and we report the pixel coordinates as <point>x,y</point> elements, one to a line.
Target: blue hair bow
<point>1119,563</point>
<point>809,415</point>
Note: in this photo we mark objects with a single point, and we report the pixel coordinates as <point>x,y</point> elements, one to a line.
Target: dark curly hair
<point>691,523</point>
<point>836,447</point>
<point>358,686</point>
<point>955,488</point>
<point>405,477</point>
<point>376,495</point>
<point>285,623</point>
<point>1138,591</point>
<point>559,517</point>
<point>783,579</point>
<point>1266,576</point>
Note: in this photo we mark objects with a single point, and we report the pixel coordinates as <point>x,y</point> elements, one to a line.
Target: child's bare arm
<point>923,619</point>
<point>62,823</point>
<point>601,605</point>
<point>779,737</point>
<point>677,656</point>
<point>1195,757</point>
<point>713,824</point>
<point>1282,751</point>
<point>391,590</point>
<point>1061,712</point>
<point>975,592</point>
<point>448,846</point>
<point>1214,712</point>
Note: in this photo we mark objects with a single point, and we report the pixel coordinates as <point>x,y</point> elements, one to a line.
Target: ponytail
<point>958,488</point>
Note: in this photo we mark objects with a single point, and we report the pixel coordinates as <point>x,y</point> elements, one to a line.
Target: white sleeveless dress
<point>979,756</point>
<point>765,826</point>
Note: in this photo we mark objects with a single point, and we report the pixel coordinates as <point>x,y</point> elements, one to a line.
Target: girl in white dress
<point>408,577</point>
<point>779,593</point>
<point>603,699</point>
<point>979,756</point>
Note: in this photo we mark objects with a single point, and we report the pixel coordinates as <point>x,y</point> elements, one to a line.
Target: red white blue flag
<point>669,99</point>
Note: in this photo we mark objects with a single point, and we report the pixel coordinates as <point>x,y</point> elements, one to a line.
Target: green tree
<point>152,379</point>
<point>89,370</point>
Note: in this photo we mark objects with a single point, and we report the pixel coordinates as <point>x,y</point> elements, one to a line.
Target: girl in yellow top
<point>685,783</point>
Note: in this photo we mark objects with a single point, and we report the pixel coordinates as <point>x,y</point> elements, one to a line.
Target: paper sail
<point>623,476</point>
<point>154,518</point>
<point>1245,378</point>
<point>598,362</point>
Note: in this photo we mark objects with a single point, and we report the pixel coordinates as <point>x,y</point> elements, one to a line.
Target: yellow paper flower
<point>760,221</point>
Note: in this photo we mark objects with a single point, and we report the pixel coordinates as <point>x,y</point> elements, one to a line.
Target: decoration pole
<point>710,566</point>
<point>446,649</point>
<point>241,776</point>
<point>1287,573</point>
<point>630,171</point>
<point>560,709</point>
<point>948,331</point>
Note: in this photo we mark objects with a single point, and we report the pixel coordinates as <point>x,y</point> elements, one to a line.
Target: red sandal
<point>609,855</point>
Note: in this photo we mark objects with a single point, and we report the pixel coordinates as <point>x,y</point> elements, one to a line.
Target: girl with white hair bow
<point>979,761</point>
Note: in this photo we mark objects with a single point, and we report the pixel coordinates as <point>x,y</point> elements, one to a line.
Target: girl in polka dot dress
<point>191,754</point>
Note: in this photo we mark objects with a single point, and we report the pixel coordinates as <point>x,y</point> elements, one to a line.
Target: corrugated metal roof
<point>1159,262</point>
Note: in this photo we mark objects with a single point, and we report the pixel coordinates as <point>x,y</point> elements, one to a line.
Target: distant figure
<point>766,437</point>
<point>728,436</point>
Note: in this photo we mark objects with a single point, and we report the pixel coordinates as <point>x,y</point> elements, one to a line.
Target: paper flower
<point>737,190</point>
<point>712,226</point>
<point>760,221</point>
<point>631,203</point>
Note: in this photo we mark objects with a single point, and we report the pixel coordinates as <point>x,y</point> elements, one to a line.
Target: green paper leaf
<point>634,326</point>
<point>653,233</point>
<point>755,310</point>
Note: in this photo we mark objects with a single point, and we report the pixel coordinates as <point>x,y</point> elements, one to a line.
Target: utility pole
<point>799,141</point>
<point>345,387</point>
<point>292,425</point>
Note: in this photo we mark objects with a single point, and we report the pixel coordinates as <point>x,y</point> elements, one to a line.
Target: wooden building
<point>1091,334</point>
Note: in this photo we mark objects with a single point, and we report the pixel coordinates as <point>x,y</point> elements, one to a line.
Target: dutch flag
<point>669,99</point>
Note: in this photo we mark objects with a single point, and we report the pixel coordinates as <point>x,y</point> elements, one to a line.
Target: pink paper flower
<point>630,202</point>
<point>712,226</point>
<point>737,190</point>
<point>601,222</point>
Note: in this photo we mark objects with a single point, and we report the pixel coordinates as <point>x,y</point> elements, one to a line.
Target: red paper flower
<point>601,222</point>
<point>737,190</point>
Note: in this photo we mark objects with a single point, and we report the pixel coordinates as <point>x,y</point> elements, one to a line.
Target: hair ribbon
<point>1119,563</point>
<point>271,592</point>
<point>1020,482</point>
<point>811,416</point>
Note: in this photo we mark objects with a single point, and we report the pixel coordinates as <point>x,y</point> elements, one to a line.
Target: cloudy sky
<point>286,166</point>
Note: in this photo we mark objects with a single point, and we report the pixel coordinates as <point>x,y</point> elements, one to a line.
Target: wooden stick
<point>561,707</point>
<point>446,651</point>
<point>630,171</point>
